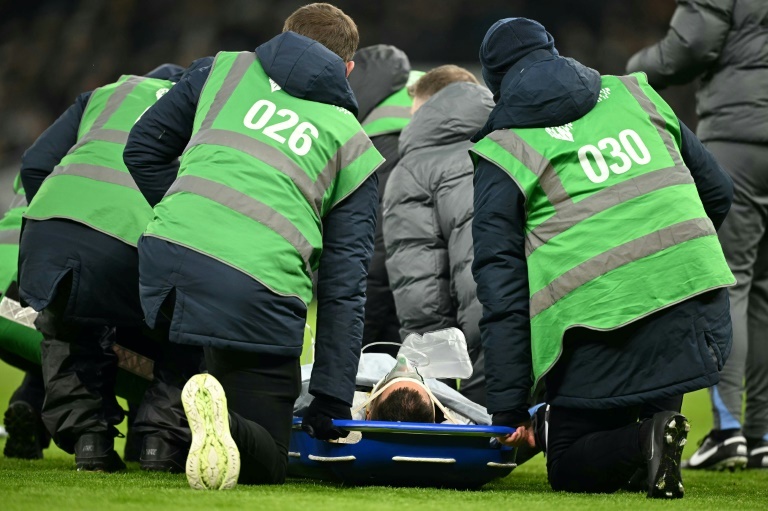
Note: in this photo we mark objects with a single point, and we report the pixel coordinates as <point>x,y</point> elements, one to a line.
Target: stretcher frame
<point>403,454</point>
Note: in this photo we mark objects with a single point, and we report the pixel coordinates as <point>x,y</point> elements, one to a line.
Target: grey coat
<point>428,217</point>
<point>725,42</point>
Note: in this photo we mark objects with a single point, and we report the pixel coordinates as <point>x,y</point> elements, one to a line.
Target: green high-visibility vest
<point>261,170</point>
<point>615,228</point>
<point>91,184</point>
<point>10,228</point>
<point>15,337</point>
<point>394,113</point>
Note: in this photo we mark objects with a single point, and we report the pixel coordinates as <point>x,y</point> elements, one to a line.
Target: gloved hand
<point>318,419</point>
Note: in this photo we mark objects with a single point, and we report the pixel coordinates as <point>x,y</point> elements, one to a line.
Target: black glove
<point>318,419</point>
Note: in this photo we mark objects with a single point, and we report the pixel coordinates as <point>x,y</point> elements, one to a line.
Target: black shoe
<point>27,436</point>
<point>96,452</point>
<point>132,450</point>
<point>663,450</point>
<point>758,455</point>
<point>159,455</point>
<point>718,452</point>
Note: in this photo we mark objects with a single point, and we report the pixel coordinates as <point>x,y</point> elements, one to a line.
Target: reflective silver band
<point>248,207</point>
<point>575,212</point>
<point>97,173</point>
<point>614,258</point>
<point>352,149</point>
<point>548,179</point>
<point>631,83</point>
<point>242,62</point>
<point>10,237</point>
<point>273,157</point>
<point>383,112</point>
<point>96,131</point>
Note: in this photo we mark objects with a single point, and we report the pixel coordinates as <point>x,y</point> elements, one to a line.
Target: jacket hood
<point>308,70</point>
<point>543,90</point>
<point>380,71</point>
<point>196,65</point>
<point>452,115</point>
<point>166,71</point>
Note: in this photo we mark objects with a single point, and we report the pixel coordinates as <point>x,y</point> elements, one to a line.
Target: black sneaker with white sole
<point>719,452</point>
<point>663,450</point>
<point>758,455</point>
<point>27,436</point>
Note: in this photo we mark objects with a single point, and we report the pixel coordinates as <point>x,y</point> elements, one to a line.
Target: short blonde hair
<point>328,25</point>
<point>437,79</point>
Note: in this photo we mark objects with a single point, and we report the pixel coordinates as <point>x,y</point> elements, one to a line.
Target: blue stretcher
<point>403,454</point>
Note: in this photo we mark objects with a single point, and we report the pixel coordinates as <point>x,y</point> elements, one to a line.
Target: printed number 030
<point>300,139</point>
<point>630,147</point>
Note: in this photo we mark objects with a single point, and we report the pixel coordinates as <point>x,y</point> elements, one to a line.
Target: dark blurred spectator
<point>50,50</point>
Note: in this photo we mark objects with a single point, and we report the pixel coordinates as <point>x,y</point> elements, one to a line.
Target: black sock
<point>720,435</point>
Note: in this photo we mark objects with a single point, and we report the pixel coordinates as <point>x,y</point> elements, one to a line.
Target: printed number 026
<point>632,148</point>
<point>300,139</point>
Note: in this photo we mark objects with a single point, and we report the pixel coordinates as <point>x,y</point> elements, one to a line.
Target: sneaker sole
<point>21,424</point>
<point>668,482</point>
<point>731,464</point>
<point>214,461</point>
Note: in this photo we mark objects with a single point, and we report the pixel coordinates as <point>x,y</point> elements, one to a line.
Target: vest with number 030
<point>91,185</point>
<point>260,172</point>
<point>10,226</point>
<point>615,228</point>
<point>394,113</point>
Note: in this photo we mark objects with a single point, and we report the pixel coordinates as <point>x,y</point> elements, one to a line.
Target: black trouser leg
<point>593,451</point>
<point>161,413</point>
<point>668,404</point>
<point>79,370</point>
<point>261,390</point>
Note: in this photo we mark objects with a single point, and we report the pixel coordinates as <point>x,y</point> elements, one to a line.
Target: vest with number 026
<point>260,172</point>
<point>10,228</point>
<point>615,228</point>
<point>91,185</point>
<point>394,113</point>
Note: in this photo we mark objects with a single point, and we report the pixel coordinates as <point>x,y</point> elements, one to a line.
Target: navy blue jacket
<point>304,69</point>
<point>500,267</point>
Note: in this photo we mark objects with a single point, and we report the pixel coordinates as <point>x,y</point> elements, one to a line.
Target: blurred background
<point>52,50</point>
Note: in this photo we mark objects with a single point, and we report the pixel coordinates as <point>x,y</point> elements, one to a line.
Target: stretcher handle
<point>421,428</point>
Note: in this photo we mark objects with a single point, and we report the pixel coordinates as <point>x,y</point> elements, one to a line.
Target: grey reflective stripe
<point>548,179</point>
<point>19,201</point>
<point>575,212</point>
<point>243,61</point>
<point>247,206</point>
<point>383,112</point>
<point>102,135</point>
<point>96,131</point>
<point>631,83</point>
<point>267,154</point>
<point>97,173</point>
<point>352,149</point>
<point>10,237</point>
<point>614,258</point>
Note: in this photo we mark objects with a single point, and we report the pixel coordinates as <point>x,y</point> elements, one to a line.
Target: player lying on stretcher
<point>406,389</point>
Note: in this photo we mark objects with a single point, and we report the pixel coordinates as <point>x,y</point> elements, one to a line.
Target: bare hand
<point>522,436</point>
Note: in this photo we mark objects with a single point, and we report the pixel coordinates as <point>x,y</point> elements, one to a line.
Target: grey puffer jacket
<point>726,43</point>
<point>428,218</point>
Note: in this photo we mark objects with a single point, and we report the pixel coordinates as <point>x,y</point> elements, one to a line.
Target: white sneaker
<point>214,461</point>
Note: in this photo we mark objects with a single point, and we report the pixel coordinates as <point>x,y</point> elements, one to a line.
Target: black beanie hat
<point>508,41</point>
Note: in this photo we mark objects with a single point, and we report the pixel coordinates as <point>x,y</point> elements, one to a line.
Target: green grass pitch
<point>52,484</point>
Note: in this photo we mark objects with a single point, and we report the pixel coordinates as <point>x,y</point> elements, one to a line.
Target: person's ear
<point>350,66</point>
<point>367,415</point>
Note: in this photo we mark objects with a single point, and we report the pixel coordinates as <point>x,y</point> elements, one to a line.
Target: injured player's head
<point>401,396</point>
